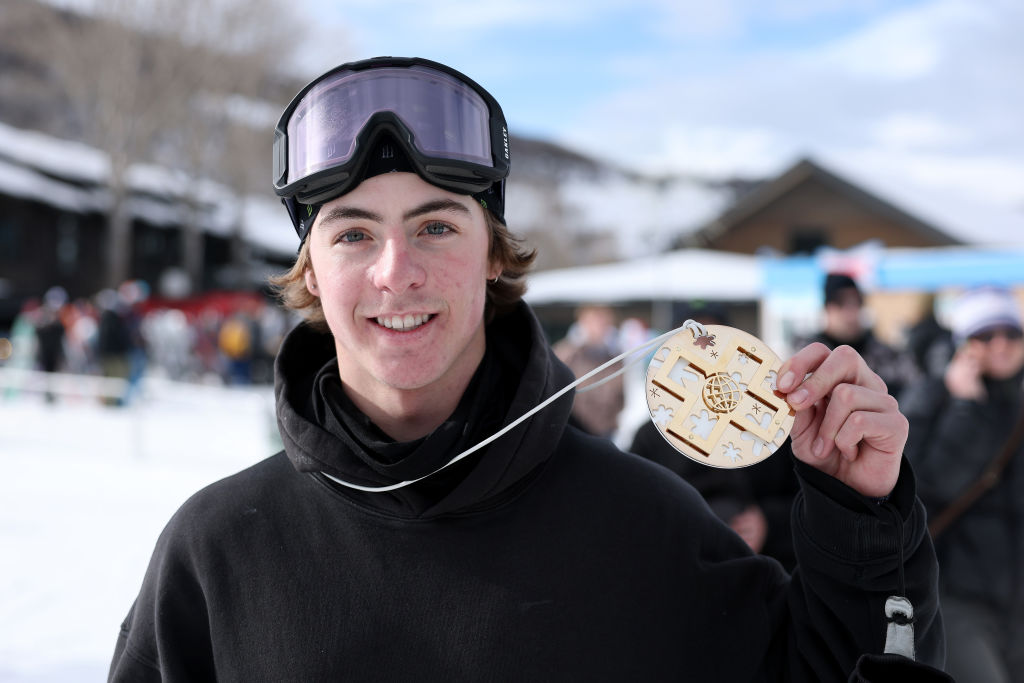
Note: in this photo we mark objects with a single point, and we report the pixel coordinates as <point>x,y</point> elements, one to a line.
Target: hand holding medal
<point>721,397</point>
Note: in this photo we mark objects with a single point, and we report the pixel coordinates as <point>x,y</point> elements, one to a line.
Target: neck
<point>855,339</point>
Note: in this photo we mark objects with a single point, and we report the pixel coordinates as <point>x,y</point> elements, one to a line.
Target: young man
<point>363,552</point>
<point>844,324</point>
<point>959,424</point>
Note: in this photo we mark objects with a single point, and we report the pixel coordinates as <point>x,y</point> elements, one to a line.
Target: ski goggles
<point>451,129</point>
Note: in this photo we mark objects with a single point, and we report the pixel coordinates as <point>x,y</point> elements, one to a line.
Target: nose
<point>397,268</point>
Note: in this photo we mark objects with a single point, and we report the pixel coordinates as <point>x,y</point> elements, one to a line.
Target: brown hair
<point>505,250</point>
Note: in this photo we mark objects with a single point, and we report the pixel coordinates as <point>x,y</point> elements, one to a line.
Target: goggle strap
<point>303,216</point>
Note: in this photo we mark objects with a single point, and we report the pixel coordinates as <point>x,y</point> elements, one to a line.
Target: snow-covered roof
<point>72,176</point>
<point>676,275</point>
<point>20,181</point>
<point>63,158</point>
<point>266,224</point>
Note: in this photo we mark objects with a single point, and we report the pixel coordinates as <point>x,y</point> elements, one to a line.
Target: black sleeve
<point>853,554</point>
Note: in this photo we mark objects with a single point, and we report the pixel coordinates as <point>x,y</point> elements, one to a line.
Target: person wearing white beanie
<point>986,325</point>
<point>959,424</point>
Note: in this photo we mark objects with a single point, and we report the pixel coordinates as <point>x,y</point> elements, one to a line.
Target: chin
<point>1003,373</point>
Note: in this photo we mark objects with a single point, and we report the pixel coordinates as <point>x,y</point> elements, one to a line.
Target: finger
<point>849,402</point>
<point>806,426</point>
<point>801,364</point>
<point>842,366</point>
<point>882,433</point>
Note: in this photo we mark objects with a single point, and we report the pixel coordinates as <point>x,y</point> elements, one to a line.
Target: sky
<point>918,100</point>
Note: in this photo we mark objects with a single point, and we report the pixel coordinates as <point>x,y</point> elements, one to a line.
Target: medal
<point>712,393</point>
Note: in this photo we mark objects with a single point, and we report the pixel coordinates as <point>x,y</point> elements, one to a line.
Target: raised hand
<point>963,375</point>
<point>847,425</point>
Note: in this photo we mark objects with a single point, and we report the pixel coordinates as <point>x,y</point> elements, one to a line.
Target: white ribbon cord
<point>634,355</point>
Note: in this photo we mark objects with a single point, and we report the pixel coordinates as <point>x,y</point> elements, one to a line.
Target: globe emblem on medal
<point>721,393</point>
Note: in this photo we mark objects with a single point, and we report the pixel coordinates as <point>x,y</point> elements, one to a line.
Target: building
<point>53,225</point>
<point>808,207</point>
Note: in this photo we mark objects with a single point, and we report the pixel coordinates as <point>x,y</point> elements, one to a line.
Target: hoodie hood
<point>521,372</point>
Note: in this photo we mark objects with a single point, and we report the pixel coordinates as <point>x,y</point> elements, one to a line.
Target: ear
<point>311,286</point>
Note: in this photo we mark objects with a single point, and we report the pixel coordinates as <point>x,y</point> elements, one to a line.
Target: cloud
<point>930,93</point>
<point>456,17</point>
<point>910,130</point>
<point>900,48</point>
<point>927,93</point>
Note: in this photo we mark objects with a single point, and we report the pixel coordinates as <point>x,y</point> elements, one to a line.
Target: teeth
<point>402,323</point>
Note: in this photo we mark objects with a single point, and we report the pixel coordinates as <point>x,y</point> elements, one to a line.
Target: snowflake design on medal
<point>659,358</point>
<point>760,444</point>
<point>703,425</point>
<point>662,416</point>
<point>730,451</point>
<point>704,341</point>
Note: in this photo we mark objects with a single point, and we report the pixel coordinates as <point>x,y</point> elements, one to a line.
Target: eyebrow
<point>340,213</point>
<point>436,205</point>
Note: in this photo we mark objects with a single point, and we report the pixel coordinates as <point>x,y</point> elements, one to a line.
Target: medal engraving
<point>712,395</point>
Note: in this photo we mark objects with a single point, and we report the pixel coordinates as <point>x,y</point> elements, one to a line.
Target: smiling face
<point>401,268</point>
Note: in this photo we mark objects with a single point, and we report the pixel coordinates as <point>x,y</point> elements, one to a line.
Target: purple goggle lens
<point>447,119</point>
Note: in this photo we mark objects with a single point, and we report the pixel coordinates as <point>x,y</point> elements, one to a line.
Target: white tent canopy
<point>678,275</point>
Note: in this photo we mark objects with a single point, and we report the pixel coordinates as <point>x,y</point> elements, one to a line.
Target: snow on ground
<point>85,491</point>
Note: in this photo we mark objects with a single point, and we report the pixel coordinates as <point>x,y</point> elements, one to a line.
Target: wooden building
<point>808,207</point>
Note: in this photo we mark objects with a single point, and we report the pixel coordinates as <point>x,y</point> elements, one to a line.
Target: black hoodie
<point>548,556</point>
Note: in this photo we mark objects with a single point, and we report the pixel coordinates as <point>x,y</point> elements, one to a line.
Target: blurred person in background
<point>271,326</point>
<point>50,334</point>
<point>368,551</point>
<point>235,341</point>
<point>929,343</point>
<point>23,342</point>
<point>81,327</point>
<point>113,340</point>
<point>960,422</point>
<point>170,340</point>
<point>120,347</point>
<point>845,324</point>
<point>591,342</point>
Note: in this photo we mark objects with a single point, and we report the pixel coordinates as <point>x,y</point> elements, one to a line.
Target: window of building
<point>808,239</point>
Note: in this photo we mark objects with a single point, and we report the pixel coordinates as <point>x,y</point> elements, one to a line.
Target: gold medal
<point>713,395</point>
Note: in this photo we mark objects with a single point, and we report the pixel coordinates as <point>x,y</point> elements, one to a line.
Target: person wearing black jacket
<point>381,544</point>
<point>959,423</point>
<point>754,501</point>
<point>845,325</point>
